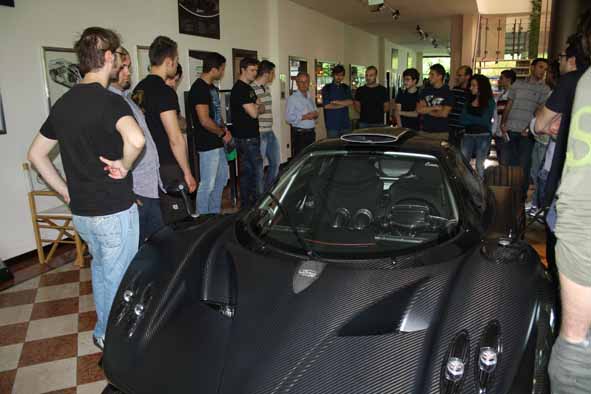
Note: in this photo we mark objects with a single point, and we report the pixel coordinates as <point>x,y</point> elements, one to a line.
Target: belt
<point>302,130</point>
<point>252,139</point>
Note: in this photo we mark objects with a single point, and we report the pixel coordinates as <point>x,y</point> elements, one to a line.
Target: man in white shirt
<point>301,113</point>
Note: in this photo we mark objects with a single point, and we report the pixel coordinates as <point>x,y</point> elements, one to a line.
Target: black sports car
<point>378,263</point>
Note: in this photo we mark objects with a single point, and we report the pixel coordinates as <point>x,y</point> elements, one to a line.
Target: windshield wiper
<point>303,244</point>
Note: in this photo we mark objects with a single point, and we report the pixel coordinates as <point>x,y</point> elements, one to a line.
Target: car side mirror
<point>180,190</point>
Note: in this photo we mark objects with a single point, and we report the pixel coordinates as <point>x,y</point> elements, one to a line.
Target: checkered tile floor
<point>46,335</point>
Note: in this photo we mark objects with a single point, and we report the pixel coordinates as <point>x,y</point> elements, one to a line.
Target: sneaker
<point>99,342</point>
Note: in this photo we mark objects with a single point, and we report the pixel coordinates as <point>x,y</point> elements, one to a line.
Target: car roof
<point>388,139</point>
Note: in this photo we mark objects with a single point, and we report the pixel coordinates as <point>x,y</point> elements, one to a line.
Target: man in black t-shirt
<point>161,107</point>
<point>211,134</point>
<point>245,111</point>
<point>435,102</point>
<point>99,141</point>
<point>371,101</point>
<point>405,105</point>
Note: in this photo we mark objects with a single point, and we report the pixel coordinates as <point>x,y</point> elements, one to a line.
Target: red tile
<point>71,390</point>
<point>17,298</point>
<point>88,369</point>
<point>13,334</point>
<point>46,350</point>
<point>7,381</point>
<point>60,278</point>
<point>85,288</point>
<point>86,321</point>
<point>44,310</point>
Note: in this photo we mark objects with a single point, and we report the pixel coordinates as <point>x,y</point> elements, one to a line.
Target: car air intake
<point>455,364</point>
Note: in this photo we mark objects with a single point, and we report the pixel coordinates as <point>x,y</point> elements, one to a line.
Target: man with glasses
<point>146,175</point>
<point>301,113</point>
<point>161,107</point>
<point>99,141</point>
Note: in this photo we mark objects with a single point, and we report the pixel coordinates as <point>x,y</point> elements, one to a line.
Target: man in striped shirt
<point>269,144</point>
<point>461,93</point>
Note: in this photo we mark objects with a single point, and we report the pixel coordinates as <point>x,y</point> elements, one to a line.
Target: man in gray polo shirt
<point>525,97</point>
<point>146,174</point>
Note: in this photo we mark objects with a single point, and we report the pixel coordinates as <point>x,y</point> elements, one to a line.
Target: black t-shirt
<point>83,122</point>
<point>561,101</point>
<point>202,93</point>
<point>153,96</point>
<point>244,126</point>
<point>372,101</point>
<point>408,103</point>
<point>432,97</point>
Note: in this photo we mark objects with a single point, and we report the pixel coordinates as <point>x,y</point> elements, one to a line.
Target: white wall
<point>277,29</point>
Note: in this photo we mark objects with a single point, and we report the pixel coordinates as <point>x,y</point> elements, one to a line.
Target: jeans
<point>537,161</point>
<point>113,242</point>
<point>337,133</point>
<point>250,170</point>
<point>270,150</point>
<point>213,176</point>
<point>300,139</point>
<point>150,216</point>
<point>364,125</point>
<point>476,145</point>
<point>517,152</point>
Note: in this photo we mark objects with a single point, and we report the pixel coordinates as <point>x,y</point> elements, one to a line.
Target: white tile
<point>51,293</point>
<point>41,378</point>
<point>85,275</point>
<point>86,345</point>
<point>15,314</point>
<point>92,388</point>
<point>86,303</point>
<point>27,285</point>
<point>9,356</point>
<point>52,327</point>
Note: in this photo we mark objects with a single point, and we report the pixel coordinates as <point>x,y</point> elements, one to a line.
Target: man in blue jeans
<point>269,144</point>
<point>99,141</point>
<point>336,98</point>
<point>245,107</point>
<point>211,133</point>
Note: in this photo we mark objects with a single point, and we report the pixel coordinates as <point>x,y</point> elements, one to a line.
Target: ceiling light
<point>396,14</point>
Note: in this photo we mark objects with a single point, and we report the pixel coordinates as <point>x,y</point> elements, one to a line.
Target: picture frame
<point>2,117</point>
<point>61,72</point>
<point>199,18</point>
<point>143,61</point>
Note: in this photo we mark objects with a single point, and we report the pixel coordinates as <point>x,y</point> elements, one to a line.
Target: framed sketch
<point>237,56</point>
<point>200,18</point>
<point>8,3</point>
<point>196,59</point>
<point>2,118</point>
<point>143,62</point>
<point>60,67</point>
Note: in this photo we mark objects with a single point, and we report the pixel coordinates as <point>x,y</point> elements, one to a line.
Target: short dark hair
<point>162,48</point>
<point>537,60</point>
<point>413,73</point>
<point>338,69</point>
<point>265,67</point>
<point>439,69</point>
<point>372,68</point>
<point>92,45</point>
<point>509,74</point>
<point>213,60</point>
<point>247,62</point>
<point>575,49</point>
<point>467,70</point>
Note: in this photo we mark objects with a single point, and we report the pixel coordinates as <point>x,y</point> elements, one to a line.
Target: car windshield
<point>353,205</point>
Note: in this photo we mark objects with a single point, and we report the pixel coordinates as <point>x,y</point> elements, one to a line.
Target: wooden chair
<point>56,219</point>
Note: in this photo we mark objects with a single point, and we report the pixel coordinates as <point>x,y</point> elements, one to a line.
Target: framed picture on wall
<point>199,18</point>
<point>237,56</point>
<point>143,61</point>
<point>296,65</point>
<point>196,59</point>
<point>323,73</point>
<point>60,68</point>
<point>2,118</point>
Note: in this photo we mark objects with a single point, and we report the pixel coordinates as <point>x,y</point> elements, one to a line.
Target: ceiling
<point>434,17</point>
